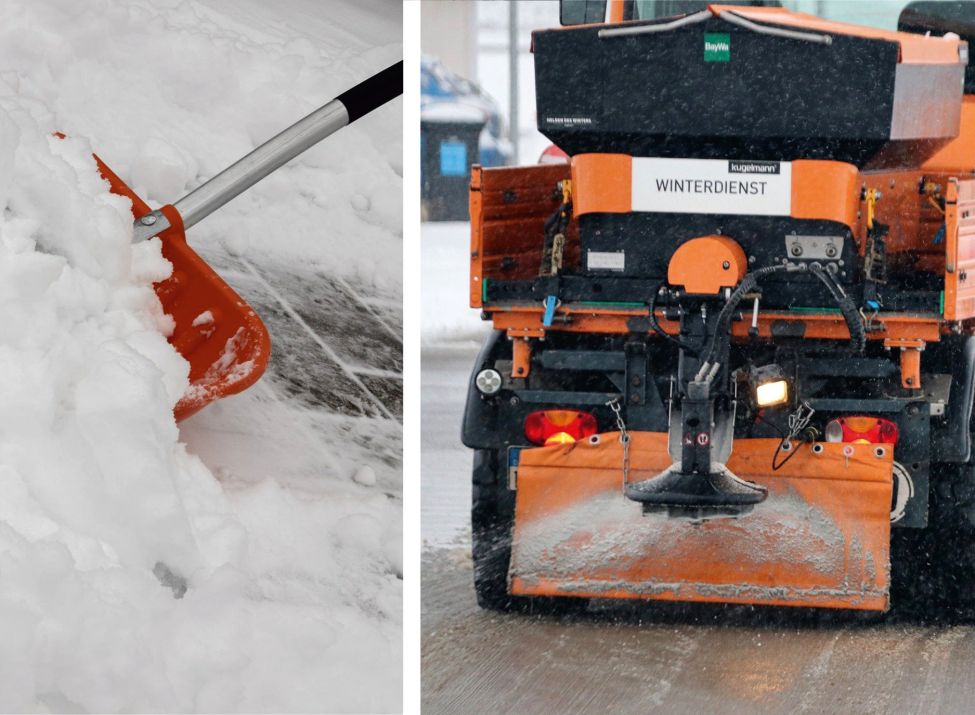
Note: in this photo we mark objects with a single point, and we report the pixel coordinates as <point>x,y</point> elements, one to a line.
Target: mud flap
<point>822,538</point>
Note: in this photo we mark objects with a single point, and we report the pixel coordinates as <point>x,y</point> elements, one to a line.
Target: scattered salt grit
<point>365,475</point>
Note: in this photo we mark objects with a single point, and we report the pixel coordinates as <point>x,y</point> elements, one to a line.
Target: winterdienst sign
<point>712,186</point>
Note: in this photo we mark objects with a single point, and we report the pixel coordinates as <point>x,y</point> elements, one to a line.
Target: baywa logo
<point>717,47</point>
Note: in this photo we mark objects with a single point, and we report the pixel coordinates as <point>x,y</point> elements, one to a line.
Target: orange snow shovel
<point>220,335</point>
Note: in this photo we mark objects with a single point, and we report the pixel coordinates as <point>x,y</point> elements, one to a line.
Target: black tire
<point>933,569</point>
<point>492,524</point>
<point>952,551</point>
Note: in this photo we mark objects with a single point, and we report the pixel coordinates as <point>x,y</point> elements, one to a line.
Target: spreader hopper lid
<point>914,48</point>
<point>753,83</point>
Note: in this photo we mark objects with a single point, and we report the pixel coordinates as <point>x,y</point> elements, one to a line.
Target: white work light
<point>770,387</point>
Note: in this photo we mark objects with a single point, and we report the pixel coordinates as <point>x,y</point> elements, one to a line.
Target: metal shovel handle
<point>274,153</point>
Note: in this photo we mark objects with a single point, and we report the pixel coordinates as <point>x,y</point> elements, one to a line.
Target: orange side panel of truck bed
<point>960,248</point>
<point>820,539</point>
<point>508,208</point>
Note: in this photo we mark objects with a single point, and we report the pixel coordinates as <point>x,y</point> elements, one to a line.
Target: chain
<point>799,420</point>
<point>558,248</point>
<point>614,405</point>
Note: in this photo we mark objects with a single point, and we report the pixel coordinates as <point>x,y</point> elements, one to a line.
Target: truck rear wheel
<point>952,522</point>
<point>933,569</point>
<point>492,525</point>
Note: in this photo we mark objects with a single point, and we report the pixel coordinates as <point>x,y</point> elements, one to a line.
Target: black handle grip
<point>373,92</point>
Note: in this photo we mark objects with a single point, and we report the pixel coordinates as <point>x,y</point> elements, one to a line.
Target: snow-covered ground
<point>446,315</point>
<point>279,508</point>
<point>452,333</point>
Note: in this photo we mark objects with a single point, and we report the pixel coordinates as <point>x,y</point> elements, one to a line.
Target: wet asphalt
<point>651,657</point>
<point>336,362</point>
<point>337,346</point>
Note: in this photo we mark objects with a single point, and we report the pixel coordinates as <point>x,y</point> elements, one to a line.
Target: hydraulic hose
<point>724,317</point>
<point>858,335</point>
<point>682,344</point>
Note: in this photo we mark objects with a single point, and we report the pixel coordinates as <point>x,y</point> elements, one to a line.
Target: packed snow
<point>446,315</point>
<point>241,564</point>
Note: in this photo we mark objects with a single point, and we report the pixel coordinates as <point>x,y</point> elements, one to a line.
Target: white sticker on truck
<point>712,186</point>
<point>605,261</point>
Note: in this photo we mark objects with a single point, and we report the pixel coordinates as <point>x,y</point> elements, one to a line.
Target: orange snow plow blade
<point>821,538</point>
<point>217,332</point>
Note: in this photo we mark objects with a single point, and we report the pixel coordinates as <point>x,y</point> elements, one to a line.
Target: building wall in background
<point>448,30</point>
<point>875,13</point>
<point>493,75</point>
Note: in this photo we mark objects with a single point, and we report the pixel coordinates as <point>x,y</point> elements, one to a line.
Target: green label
<point>717,47</point>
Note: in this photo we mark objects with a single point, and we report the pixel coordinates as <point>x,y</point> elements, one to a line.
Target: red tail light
<point>862,429</point>
<point>558,426</point>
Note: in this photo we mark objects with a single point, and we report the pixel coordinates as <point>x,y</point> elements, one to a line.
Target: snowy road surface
<point>638,658</point>
<point>445,288</point>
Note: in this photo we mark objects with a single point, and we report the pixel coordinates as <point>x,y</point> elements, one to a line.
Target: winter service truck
<point>733,346</point>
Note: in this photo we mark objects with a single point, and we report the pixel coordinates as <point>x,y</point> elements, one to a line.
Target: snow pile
<point>170,92</point>
<point>289,601</point>
<point>447,316</point>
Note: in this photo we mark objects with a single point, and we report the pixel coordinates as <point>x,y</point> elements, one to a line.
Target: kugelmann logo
<point>717,47</point>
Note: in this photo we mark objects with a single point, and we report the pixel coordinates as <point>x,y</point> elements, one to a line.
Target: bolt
<point>521,371</point>
<point>635,398</point>
<point>148,220</point>
<point>796,249</point>
<point>514,401</point>
<point>635,381</point>
<point>910,381</point>
<point>831,250</point>
<point>913,409</point>
<point>726,265</point>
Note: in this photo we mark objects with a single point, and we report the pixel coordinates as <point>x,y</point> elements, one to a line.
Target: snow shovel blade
<point>217,332</point>
<point>821,538</point>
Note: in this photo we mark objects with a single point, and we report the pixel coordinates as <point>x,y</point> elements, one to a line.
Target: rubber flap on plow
<point>822,538</point>
<point>228,348</point>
